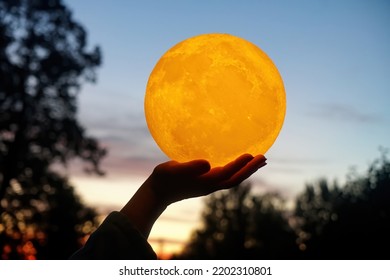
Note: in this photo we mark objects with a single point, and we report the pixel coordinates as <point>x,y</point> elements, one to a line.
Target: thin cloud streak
<point>302,161</point>
<point>344,112</point>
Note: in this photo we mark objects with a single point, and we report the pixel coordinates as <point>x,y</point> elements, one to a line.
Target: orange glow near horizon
<point>214,97</point>
<point>170,232</point>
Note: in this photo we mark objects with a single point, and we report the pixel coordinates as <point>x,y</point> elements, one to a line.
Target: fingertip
<point>243,159</point>
<point>250,168</point>
<point>258,162</point>
<point>260,158</point>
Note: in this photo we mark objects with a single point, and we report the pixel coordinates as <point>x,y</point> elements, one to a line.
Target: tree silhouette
<point>44,60</point>
<point>239,225</point>
<point>314,210</point>
<point>44,220</point>
<point>328,221</point>
<point>352,222</point>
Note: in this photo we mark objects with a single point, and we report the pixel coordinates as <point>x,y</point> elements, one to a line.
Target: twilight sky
<point>333,57</point>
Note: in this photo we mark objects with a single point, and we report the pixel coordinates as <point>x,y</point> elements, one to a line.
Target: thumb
<point>191,168</point>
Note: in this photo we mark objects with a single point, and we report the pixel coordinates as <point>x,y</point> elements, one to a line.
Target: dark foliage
<point>43,220</point>
<point>44,59</point>
<point>328,222</point>
<point>238,225</point>
<point>352,222</point>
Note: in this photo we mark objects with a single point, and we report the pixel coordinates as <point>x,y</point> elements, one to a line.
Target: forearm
<point>144,208</point>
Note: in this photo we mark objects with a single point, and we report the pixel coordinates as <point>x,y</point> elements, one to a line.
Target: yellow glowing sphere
<point>214,97</point>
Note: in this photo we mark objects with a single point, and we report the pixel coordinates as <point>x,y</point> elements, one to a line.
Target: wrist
<point>144,208</point>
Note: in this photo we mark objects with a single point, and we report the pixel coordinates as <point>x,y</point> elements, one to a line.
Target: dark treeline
<point>328,222</point>
<point>44,60</point>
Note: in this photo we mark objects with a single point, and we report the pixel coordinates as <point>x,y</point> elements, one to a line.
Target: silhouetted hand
<point>172,181</point>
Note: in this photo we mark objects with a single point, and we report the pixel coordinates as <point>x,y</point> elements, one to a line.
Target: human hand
<point>173,181</point>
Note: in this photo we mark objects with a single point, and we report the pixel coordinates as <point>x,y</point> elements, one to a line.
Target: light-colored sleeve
<point>116,239</point>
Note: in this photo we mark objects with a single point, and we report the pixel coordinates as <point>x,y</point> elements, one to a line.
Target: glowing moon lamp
<point>214,97</point>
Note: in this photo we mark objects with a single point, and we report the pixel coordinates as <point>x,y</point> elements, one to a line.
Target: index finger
<point>255,164</point>
<point>219,174</point>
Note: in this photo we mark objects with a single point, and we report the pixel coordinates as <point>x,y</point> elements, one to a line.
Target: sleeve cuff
<point>116,239</point>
